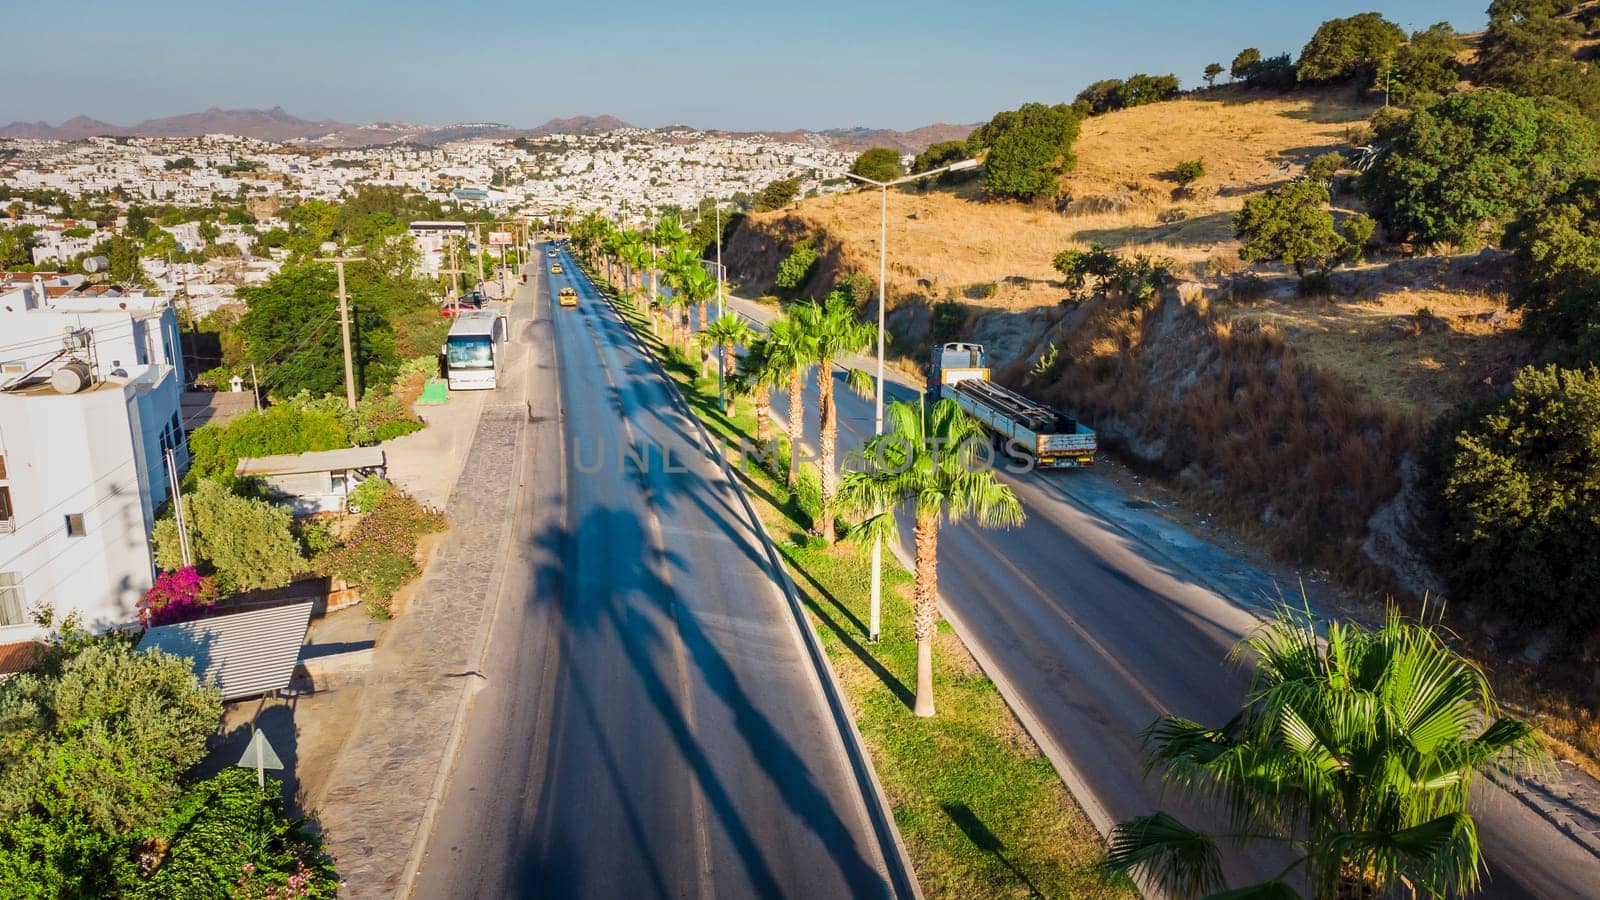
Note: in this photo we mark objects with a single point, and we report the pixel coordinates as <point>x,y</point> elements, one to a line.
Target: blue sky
<point>750,65</point>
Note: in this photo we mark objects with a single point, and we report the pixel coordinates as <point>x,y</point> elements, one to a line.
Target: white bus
<point>474,351</point>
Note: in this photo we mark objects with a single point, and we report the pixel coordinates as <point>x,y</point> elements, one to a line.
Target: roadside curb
<point>902,877</point>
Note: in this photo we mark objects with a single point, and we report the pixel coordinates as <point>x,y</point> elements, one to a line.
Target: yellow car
<point>568,297</point>
<point>555,268</point>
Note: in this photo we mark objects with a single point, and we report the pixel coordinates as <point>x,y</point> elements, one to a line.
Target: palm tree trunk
<point>762,402</point>
<point>702,315</point>
<point>924,606</point>
<point>797,406</point>
<point>828,433</point>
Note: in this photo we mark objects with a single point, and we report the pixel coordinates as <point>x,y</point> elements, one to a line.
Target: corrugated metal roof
<point>313,461</point>
<point>243,653</point>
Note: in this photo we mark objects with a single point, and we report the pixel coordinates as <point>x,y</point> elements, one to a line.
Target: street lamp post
<point>722,364</point>
<point>875,617</point>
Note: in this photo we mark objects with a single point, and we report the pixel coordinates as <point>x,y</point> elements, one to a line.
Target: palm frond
<point>1183,861</point>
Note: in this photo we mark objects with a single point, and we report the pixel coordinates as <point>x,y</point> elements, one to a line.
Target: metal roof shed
<point>242,653</point>
<point>318,481</point>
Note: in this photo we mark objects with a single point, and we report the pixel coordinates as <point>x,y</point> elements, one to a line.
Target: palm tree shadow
<point>985,840</point>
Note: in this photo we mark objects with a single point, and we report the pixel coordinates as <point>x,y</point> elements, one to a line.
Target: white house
<point>90,382</point>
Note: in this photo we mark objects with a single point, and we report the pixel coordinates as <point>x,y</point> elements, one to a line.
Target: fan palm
<point>931,462</point>
<point>695,286</point>
<point>759,371</point>
<point>726,334</point>
<point>666,235</point>
<point>788,353</point>
<point>635,257</point>
<point>831,330</point>
<point>1358,752</point>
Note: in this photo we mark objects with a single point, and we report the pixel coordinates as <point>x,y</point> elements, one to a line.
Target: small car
<point>555,268</point>
<point>568,297</point>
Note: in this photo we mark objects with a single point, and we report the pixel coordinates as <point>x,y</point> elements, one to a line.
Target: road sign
<point>259,755</point>
<point>501,237</point>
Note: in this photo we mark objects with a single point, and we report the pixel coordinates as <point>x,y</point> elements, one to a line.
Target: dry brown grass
<point>945,241</point>
<point>1425,364</point>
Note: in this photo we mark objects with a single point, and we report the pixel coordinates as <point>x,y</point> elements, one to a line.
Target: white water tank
<point>71,378</point>
<point>95,264</point>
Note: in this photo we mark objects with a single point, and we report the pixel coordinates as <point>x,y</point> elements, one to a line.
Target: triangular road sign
<point>268,757</point>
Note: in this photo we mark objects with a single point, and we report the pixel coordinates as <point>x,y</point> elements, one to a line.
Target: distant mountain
<point>73,129</point>
<point>280,126</point>
<point>856,139</point>
<point>579,125</point>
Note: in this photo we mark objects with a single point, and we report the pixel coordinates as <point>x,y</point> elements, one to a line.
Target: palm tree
<point>788,353</point>
<point>634,256</point>
<point>1358,752</point>
<point>694,286</point>
<point>831,330</point>
<point>726,333</point>
<point>666,235</point>
<point>760,370</point>
<point>930,462</point>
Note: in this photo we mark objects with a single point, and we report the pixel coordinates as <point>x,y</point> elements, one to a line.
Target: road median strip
<point>981,811</point>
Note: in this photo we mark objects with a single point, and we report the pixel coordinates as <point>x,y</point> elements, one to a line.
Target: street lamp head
<point>964,165</point>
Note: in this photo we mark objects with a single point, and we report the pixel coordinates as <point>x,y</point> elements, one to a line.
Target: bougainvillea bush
<point>177,596</point>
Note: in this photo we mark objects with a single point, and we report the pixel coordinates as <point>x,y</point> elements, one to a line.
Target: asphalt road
<point>1097,632</point>
<point>647,724</point>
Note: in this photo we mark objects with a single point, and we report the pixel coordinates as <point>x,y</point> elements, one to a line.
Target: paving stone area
<point>380,789</point>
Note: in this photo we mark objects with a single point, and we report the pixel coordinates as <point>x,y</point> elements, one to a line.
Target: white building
<point>90,381</point>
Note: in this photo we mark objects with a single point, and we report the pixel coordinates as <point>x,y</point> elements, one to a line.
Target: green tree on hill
<point>1424,68</point>
<point>878,164</point>
<point>1556,264</point>
<point>1292,225</point>
<point>943,154</point>
<point>1344,48</point>
<point>778,194</point>
<point>1461,167</point>
<point>1247,57</point>
<point>1211,73</point>
<point>1528,50</point>
<point>1026,149</point>
<point>1522,503</point>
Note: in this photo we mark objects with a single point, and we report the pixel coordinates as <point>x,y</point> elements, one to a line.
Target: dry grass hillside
<point>997,256</point>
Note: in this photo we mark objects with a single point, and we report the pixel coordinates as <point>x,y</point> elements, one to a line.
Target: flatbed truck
<point>1055,440</point>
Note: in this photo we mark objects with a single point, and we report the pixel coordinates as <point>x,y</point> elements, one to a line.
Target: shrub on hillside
<point>1103,271</point>
<point>1348,47</point>
<point>1522,501</point>
<point>1292,225</point>
<point>796,267</point>
<point>878,164</point>
<point>244,542</point>
<point>1246,58</point>
<point>1556,269</point>
<point>215,450</point>
<point>1026,149</point>
<point>1460,168</point>
<point>1189,171</point>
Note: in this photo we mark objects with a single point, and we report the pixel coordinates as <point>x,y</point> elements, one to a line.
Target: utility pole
<point>177,509</point>
<point>344,324</point>
<point>477,231</point>
<point>255,387</point>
